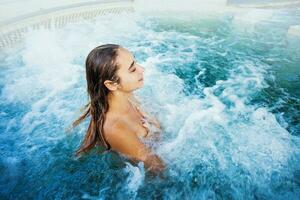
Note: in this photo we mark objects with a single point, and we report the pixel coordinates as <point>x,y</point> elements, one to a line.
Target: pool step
<point>294,30</point>
<point>271,4</point>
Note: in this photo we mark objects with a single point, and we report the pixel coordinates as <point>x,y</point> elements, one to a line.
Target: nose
<point>142,69</point>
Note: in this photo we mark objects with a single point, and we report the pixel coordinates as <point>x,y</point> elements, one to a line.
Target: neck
<point>118,102</point>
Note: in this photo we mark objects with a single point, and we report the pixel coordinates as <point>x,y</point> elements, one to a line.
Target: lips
<point>141,79</point>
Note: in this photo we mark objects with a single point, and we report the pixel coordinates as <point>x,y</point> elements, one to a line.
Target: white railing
<point>12,31</point>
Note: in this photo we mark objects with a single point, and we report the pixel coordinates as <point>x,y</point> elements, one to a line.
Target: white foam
<point>136,177</point>
<point>211,131</point>
<point>246,19</point>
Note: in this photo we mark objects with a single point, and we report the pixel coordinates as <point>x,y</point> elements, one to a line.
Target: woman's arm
<point>125,141</point>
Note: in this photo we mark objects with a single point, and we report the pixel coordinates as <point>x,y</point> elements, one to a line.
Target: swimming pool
<point>225,88</point>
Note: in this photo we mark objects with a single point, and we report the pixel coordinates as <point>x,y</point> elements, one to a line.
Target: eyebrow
<point>131,65</point>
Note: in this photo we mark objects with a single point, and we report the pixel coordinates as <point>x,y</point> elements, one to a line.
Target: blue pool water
<point>225,88</point>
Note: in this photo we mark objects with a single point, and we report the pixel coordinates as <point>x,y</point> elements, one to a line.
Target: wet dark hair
<point>100,66</point>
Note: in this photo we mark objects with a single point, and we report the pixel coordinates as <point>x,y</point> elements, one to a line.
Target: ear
<point>111,85</point>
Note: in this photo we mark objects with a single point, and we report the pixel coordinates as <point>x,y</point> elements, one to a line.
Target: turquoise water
<point>225,88</point>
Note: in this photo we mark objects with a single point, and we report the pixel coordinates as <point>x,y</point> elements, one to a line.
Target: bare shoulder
<point>116,129</point>
<point>112,124</point>
<point>124,140</point>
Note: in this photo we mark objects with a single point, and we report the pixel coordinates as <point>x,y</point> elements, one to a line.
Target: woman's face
<point>131,74</point>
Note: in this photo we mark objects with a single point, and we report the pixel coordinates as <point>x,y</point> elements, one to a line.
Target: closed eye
<point>133,64</point>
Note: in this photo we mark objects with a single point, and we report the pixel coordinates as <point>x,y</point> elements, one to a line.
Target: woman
<point>116,120</point>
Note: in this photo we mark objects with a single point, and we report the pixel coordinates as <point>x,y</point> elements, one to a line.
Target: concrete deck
<point>272,4</point>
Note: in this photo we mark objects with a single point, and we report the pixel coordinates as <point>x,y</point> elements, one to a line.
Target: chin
<point>140,86</point>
